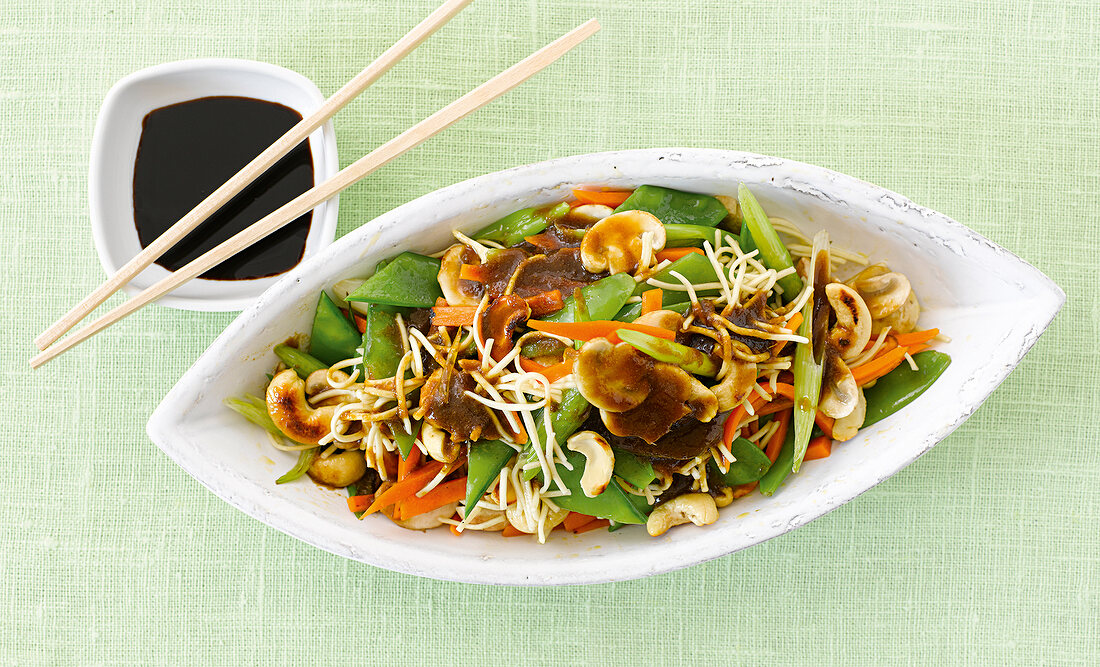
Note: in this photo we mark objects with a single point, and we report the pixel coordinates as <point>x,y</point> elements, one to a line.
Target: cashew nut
<point>339,470</point>
<point>590,213</point>
<point>736,385</point>
<point>725,497</point>
<point>615,243</point>
<point>853,321</point>
<point>287,406</point>
<point>599,461</point>
<point>664,319</point>
<point>846,428</point>
<point>439,446</point>
<point>450,265</point>
<point>698,508</point>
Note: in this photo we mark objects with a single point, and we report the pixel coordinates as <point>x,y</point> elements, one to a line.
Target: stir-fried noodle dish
<point>627,357</point>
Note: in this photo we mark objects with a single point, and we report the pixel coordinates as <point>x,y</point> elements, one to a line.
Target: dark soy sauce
<point>188,150</point>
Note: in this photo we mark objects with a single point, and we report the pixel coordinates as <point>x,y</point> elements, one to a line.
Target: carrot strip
<point>512,531</point>
<point>673,254</point>
<point>776,442</point>
<point>879,366</point>
<point>552,373</point>
<point>742,490</point>
<point>575,520</point>
<point>405,466</point>
<point>607,198</point>
<point>453,316</point>
<point>825,423</point>
<point>910,339</point>
<point>819,448</point>
<point>596,329</point>
<point>446,493</point>
<point>478,273</point>
<point>545,303</point>
<point>652,300</point>
<point>360,323</point>
<point>454,531</point>
<point>595,524</point>
<point>360,503</point>
<point>791,326</point>
<point>404,488</point>
<point>733,422</point>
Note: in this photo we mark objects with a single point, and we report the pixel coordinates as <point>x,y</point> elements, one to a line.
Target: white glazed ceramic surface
<point>114,149</point>
<point>992,304</point>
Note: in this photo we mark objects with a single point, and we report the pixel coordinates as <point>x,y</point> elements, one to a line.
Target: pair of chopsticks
<point>307,201</point>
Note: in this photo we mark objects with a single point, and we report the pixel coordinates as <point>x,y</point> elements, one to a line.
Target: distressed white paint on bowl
<point>992,304</point>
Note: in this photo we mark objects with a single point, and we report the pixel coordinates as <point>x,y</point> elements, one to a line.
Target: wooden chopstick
<point>414,136</point>
<point>252,170</point>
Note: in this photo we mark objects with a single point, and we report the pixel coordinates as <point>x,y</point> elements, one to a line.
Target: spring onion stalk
<point>809,361</point>
<point>305,459</point>
<point>254,409</point>
<point>773,254</point>
<point>301,362</point>
<point>688,358</point>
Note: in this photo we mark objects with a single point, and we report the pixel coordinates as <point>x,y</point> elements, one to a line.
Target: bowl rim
<point>104,227</point>
<point>412,560</point>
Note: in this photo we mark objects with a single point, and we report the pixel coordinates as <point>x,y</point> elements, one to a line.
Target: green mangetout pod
<point>695,268</point>
<point>409,280</point>
<point>513,228</point>
<point>678,236</point>
<point>333,337</point>
<point>903,385</point>
<point>485,460</point>
<point>604,298</point>
<point>382,349</point>
<point>675,206</point>
<point>751,464</point>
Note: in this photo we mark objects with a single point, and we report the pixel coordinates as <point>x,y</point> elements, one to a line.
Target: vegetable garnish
<point>567,367</point>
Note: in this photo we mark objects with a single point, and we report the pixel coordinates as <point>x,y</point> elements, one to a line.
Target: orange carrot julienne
<point>916,337</point>
<point>673,254</point>
<point>552,373</point>
<point>595,524</point>
<point>596,329</point>
<point>360,503</point>
<point>575,520</point>
<point>742,490</point>
<point>607,198</point>
<point>512,531</point>
<point>453,316</point>
<point>444,494</point>
<point>360,323</point>
<point>404,488</point>
<point>405,466</point>
<point>776,442</point>
<point>652,300</point>
<point>819,448</point>
<point>478,273</point>
<point>791,326</point>
<point>879,366</point>
<point>545,303</point>
<point>733,422</point>
<point>454,531</point>
<point>825,423</point>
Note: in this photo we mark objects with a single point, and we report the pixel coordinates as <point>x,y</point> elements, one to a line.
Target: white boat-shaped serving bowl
<point>992,304</point>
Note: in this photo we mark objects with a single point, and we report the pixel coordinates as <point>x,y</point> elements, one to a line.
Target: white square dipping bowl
<point>114,151</point>
<point>991,303</point>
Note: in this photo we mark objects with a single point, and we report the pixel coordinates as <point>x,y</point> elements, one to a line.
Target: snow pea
<point>382,350</point>
<point>613,503</point>
<point>684,235</point>
<point>771,480</point>
<point>773,254</point>
<point>675,206</point>
<point>410,280</point>
<point>513,228</point>
<point>696,268</point>
<point>484,462</point>
<point>604,298</point>
<point>633,311</point>
<point>633,470</point>
<point>751,464</point>
<point>566,419</point>
<point>688,358</point>
<point>903,385</point>
<point>302,363</point>
<point>333,337</point>
<point>405,441</point>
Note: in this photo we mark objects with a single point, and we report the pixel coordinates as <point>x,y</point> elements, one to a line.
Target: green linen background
<point>985,551</point>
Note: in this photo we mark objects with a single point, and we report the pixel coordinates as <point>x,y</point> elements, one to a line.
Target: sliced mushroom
<point>614,244</point>
<point>664,319</point>
<point>501,320</point>
<point>338,470</point>
<point>612,377</point>
<point>287,406</point>
<point>439,446</point>
<point>698,508</point>
<point>673,394</point>
<point>902,320</point>
<point>736,385</point>
<point>839,391</point>
<point>590,213</point>
<point>853,321</point>
<point>450,265</point>
<point>599,461</point>
<point>884,293</point>
<point>846,428</point>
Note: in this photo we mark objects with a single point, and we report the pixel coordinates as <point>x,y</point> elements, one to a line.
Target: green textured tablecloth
<point>985,551</point>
